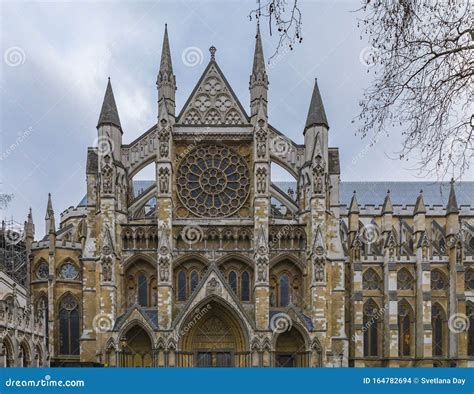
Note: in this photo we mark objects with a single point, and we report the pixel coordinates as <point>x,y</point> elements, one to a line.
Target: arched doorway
<point>290,350</point>
<point>214,337</point>
<point>137,348</point>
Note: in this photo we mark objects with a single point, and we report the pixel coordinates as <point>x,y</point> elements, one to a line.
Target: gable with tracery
<point>213,102</point>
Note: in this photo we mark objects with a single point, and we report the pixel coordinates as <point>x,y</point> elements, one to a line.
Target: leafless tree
<point>284,16</point>
<point>5,200</point>
<point>422,56</point>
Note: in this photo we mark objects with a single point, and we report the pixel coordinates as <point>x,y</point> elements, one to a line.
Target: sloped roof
<point>374,193</point>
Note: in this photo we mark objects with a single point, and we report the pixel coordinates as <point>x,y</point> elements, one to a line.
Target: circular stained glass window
<point>43,271</point>
<point>69,271</point>
<point>213,181</point>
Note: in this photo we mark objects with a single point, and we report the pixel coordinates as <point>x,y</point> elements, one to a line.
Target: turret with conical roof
<point>50,224</point>
<point>166,80</point>
<point>316,113</point>
<point>452,213</point>
<point>109,128</point>
<point>259,79</point>
<point>109,113</point>
<point>316,126</point>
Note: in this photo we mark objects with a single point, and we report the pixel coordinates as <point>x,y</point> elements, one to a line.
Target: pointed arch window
<point>194,280</point>
<point>142,290</point>
<point>405,334</point>
<point>245,286</point>
<point>181,286</point>
<point>284,290</point>
<point>437,324</point>
<point>233,281</point>
<point>69,325</point>
<point>404,280</point>
<point>371,325</point>
<point>438,281</point>
<point>370,280</point>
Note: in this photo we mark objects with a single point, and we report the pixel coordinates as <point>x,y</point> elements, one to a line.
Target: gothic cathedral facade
<point>213,264</point>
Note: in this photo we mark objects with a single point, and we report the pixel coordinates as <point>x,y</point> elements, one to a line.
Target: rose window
<point>213,181</point>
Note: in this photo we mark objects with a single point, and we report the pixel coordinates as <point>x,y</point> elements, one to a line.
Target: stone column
<point>164,216</point>
<point>261,203</point>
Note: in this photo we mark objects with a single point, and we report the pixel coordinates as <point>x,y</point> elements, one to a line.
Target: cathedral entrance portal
<point>215,339</point>
<point>137,349</point>
<point>290,350</point>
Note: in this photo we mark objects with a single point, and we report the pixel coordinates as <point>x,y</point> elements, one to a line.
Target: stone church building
<point>212,264</point>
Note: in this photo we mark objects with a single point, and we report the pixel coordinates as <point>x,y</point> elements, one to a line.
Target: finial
<point>388,191</point>
<point>452,180</point>
<point>213,50</point>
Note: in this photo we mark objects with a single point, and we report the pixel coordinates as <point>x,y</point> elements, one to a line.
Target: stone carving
<point>262,268</point>
<point>164,142</point>
<point>107,269</point>
<point>107,176</point>
<point>213,287</point>
<point>164,264</point>
<point>318,174</point>
<point>261,143</point>
<point>164,174</point>
<point>261,180</point>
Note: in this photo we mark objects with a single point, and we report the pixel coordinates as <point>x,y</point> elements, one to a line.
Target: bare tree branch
<point>423,57</point>
<point>284,16</point>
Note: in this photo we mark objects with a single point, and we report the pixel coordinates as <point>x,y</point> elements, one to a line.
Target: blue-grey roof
<point>405,193</point>
<point>373,193</point>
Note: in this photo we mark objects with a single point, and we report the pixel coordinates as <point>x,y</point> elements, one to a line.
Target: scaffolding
<point>13,254</point>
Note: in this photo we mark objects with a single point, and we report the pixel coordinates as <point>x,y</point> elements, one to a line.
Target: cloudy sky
<point>56,57</point>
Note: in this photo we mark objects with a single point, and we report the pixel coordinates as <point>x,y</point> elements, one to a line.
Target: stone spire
<point>387,204</point>
<point>452,206</point>
<point>258,59</point>
<point>259,79</point>
<point>50,225</point>
<point>109,114</point>
<point>420,204</point>
<point>29,226</point>
<point>354,207</point>
<point>166,81</point>
<point>316,114</point>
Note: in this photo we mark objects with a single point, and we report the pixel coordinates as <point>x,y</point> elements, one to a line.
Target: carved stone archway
<point>213,337</point>
<point>137,348</point>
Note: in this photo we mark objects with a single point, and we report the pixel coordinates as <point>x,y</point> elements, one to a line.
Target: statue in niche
<point>164,179</point>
